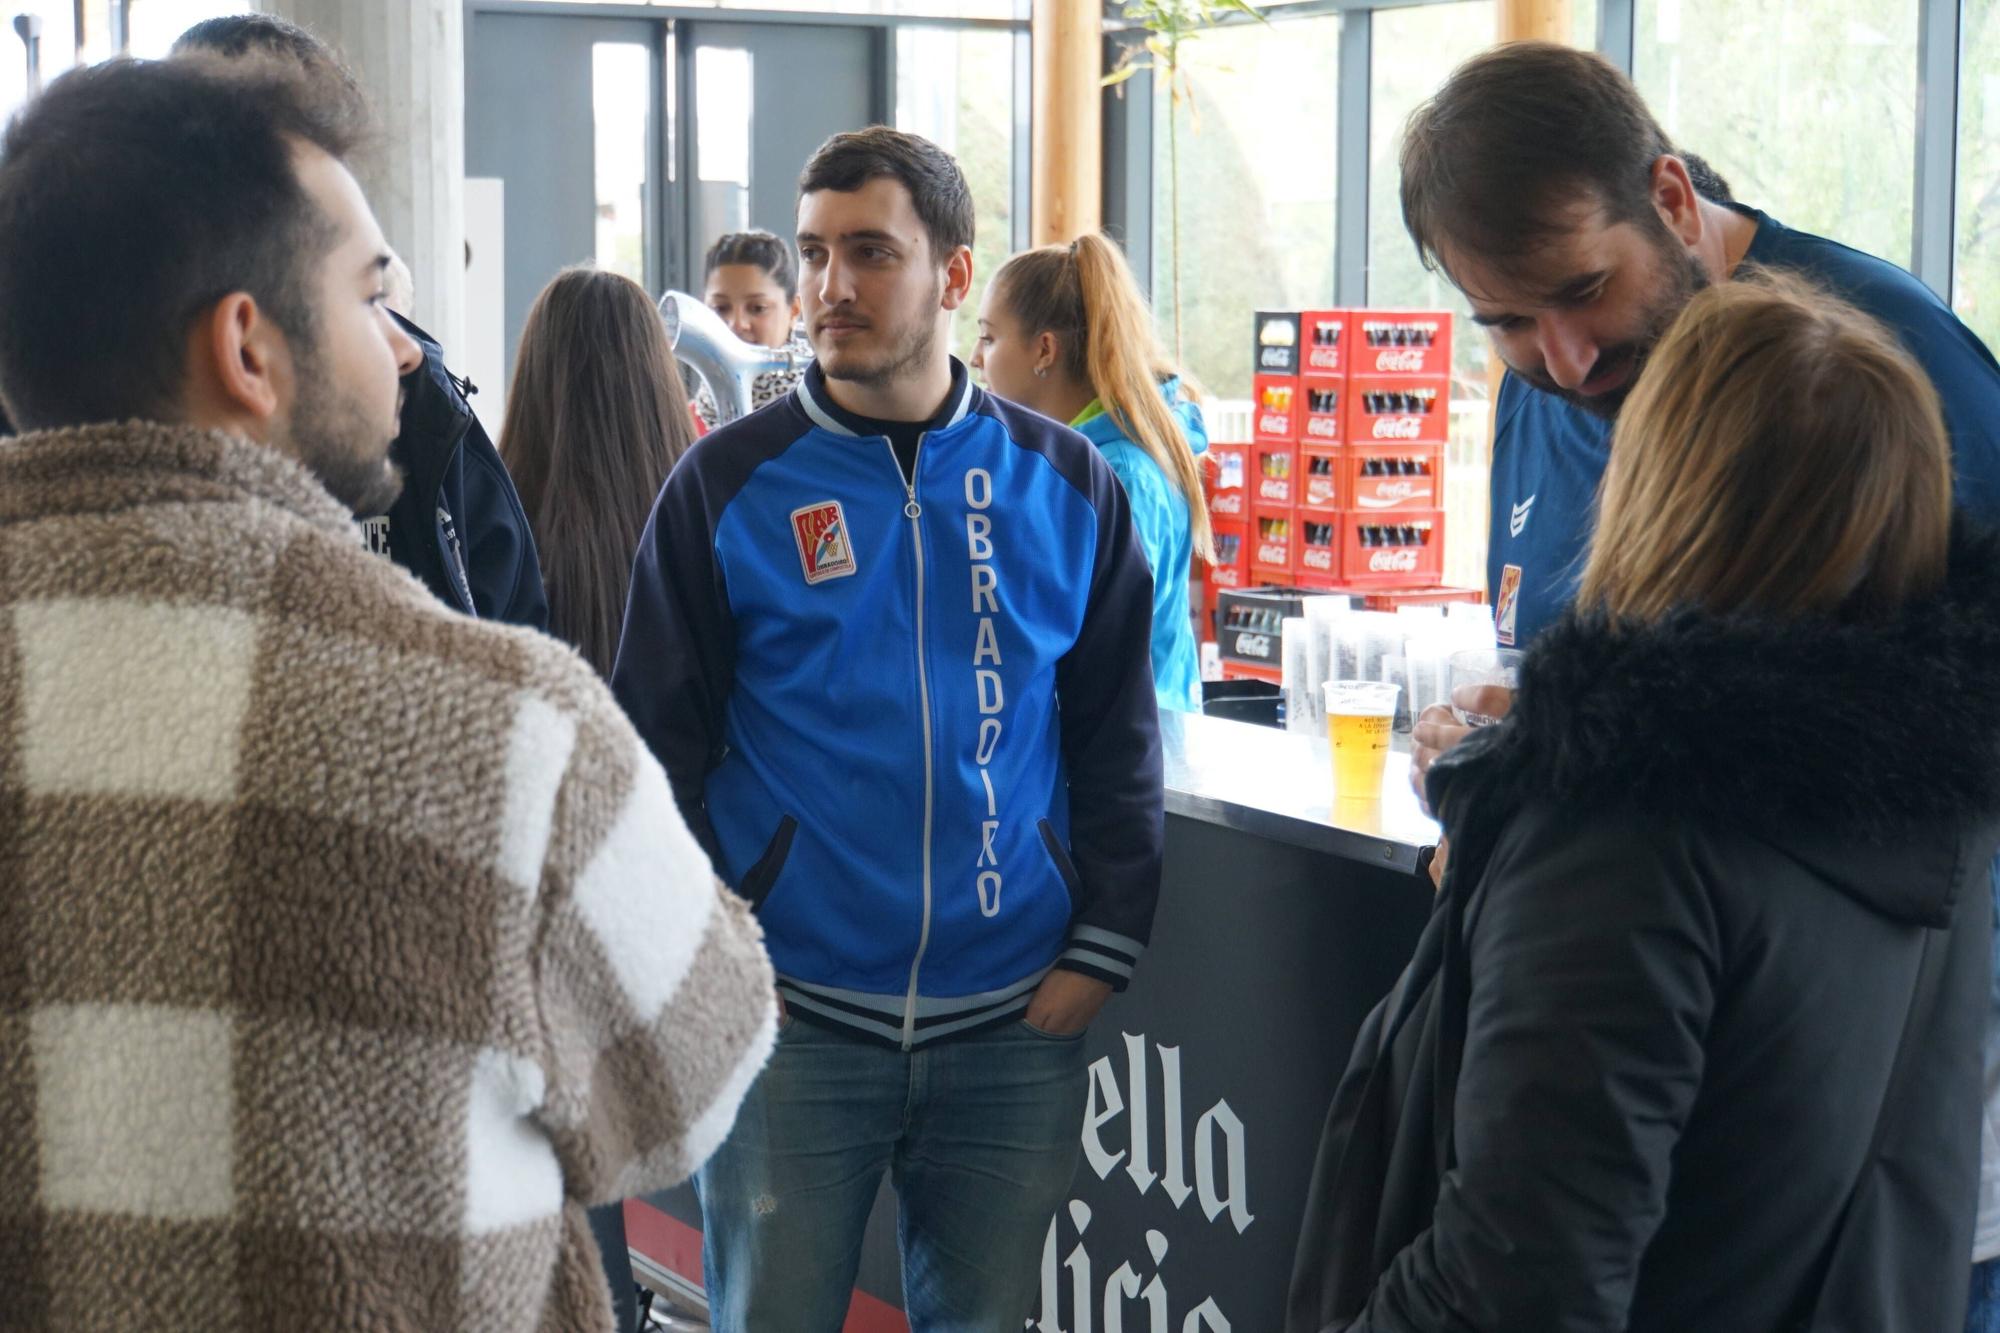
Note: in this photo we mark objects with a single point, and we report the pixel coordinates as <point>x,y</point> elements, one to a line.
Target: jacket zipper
<point>914,512</point>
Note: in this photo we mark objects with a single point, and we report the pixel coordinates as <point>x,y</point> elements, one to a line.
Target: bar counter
<point>1284,915</point>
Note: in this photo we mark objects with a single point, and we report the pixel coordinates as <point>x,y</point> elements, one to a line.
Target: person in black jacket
<point>1693,1039</point>
<point>458,524</point>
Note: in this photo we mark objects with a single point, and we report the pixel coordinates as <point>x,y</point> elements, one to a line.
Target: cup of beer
<point>1358,717</point>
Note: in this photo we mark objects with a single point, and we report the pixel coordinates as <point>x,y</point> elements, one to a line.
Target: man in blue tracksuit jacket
<point>1538,180</point>
<point>890,638</point>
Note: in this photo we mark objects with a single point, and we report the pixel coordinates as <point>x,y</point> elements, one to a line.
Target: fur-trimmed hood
<point>1836,741</point>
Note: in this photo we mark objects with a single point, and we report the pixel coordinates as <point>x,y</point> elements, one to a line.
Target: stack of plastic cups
<point>1304,713</point>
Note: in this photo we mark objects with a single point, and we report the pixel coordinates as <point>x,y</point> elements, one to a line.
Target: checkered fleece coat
<point>348,946</point>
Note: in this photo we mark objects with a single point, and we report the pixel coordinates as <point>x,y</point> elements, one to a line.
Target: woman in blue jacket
<point>1064,330</point>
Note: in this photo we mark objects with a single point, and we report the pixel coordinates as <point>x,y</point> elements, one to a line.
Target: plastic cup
<point>1359,715</point>
<point>1484,666</point>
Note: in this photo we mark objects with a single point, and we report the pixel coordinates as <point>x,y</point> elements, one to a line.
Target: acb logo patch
<point>826,551</point>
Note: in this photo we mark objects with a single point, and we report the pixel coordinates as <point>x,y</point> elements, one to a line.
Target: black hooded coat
<point>1693,1038</point>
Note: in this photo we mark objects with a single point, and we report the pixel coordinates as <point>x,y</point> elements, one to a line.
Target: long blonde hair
<point>1085,295</point>
<point>1781,454</point>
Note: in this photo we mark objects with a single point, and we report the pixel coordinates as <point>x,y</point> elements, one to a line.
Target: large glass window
<point>1413,50</point>
<point>1257,149</point>
<point>1976,280</point>
<point>955,86</point>
<point>53,23</point>
<point>621,95</point>
<point>1807,107</point>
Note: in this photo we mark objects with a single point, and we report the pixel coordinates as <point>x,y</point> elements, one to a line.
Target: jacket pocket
<point>757,880</point>
<point>1060,855</point>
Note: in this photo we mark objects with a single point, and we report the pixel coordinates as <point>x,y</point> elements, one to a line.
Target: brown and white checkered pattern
<point>347,945</point>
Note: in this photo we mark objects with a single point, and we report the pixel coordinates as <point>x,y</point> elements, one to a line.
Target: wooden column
<point>1066,160</point>
<point>1534,20</point>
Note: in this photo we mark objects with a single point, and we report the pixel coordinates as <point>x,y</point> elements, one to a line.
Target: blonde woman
<point>1064,330</point>
<point>1693,1039</point>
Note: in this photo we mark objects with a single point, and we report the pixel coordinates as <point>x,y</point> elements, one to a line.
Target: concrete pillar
<point>1066,161</point>
<point>410,58</point>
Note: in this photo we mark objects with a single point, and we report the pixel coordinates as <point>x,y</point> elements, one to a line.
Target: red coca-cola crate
<point>1232,557</point>
<point>1399,342</point>
<point>1272,540</point>
<point>1274,413</point>
<point>1325,340</point>
<point>1226,477</point>
<point>1235,670</point>
<point>1388,599</point>
<point>1402,549</point>
<point>1274,467</point>
<point>1320,409</point>
<point>1383,477</point>
<point>1274,347</point>
<point>1322,476</point>
<point>1387,410</point>
<point>1317,548</point>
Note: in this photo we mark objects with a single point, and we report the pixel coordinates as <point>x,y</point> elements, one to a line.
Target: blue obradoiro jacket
<point>912,722</point>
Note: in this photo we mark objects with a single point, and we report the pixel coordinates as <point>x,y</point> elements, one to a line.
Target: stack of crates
<point>1351,416</point>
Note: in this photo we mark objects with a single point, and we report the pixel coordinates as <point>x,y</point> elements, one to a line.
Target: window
<point>955,86</point>
<point>722,116</point>
<point>1257,149</point>
<point>621,97</point>
<point>1807,107</point>
<point>152,25</point>
<point>1976,279</point>
<point>56,41</point>
<point>1412,52</point>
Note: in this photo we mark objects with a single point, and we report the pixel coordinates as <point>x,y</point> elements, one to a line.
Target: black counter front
<point>1284,916</point>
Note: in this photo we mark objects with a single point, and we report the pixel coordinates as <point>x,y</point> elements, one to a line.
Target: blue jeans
<point>1983,1314</point>
<point>981,1133</point>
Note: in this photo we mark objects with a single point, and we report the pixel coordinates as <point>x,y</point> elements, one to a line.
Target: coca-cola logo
<point>1406,360</point>
<point>1324,358</point>
<point>1388,494</point>
<point>1326,427</point>
<point>1398,428</point>
<point>1226,576</point>
<point>1253,645</point>
<point>1274,553</point>
<point>1274,423</point>
<point>1392,562</point>
<point>1273,489</point>
<point>1275,358</point>
<point>1320,492</point>
<point>1318,557</point>
<point>1230,502</point>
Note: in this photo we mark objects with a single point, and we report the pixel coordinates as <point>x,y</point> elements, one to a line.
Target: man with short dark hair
<point>349,946</point>
<point>458,523</point>
<point>1538,181</point>
<point>889,636</point>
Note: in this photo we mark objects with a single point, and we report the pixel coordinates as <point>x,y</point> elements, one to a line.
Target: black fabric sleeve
<point>502,565</point>
<point>677,653</point>
<point>1111,748</point>
<point>1594,964</point>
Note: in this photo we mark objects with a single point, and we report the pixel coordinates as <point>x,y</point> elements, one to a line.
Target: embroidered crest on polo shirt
<point>1519,519</point>
<point>825,549</point>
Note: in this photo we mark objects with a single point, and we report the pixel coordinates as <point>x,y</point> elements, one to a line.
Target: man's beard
<point>337,440</point>
<point>911,349</point>
<point>1685,278</point>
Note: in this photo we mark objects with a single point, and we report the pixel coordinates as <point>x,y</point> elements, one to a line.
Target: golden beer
<point>1358,718</point>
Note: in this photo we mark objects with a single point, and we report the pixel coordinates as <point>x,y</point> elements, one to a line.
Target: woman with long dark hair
<point>596,418</point>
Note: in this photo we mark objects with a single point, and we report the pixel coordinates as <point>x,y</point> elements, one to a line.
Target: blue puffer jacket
<point>911,721</point>
<point>1160,513</point>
